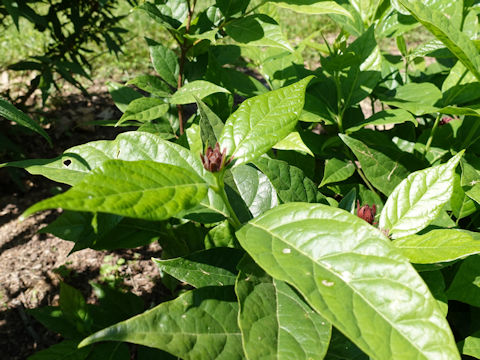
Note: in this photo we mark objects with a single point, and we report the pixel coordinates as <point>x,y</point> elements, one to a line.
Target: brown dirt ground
<point>32,265</point>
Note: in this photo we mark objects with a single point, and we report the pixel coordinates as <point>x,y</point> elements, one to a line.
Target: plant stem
<point>432,133</point>
<point>220,190</point>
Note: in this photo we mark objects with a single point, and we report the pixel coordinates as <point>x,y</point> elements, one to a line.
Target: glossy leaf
<point>275,321</point>
<point>384,169</point>
<point>312,7</point>
<point>165,62</point>
<point>138,189</point>
<point>385,117</point>
<point>198,88</point>
<point>144,109</point>
<point>289,181</point>
<point>465,286</point>
<point>211,125</point>
<point>11,113</point>
<point>439,246</point>
<point>262,121</point>
<point>232,7</point>
<point>122,95</point>
<point>214,267</point>
<point>257,30</point>
<point>361,284</point>
<point>471,345</point>
<point>293,141</point>
<point>337,170</point>
<point>418,199</point>
<point>199,324</point>
<point>443,29</point>
<point>151,84</point>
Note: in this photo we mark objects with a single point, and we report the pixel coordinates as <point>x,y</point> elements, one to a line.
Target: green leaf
<point>384,169</point>
<point>110,351</point>
<point>436,284</point>
<point>53,319</point>
<point>65,350</point>
<point>122,95</point>
<point>262,121</point>
<point>11,113</point>
<point>257,30</point>
<point>293,141</point>
<point>444,30</point>
<point>165,62</point>
<point>232,7</point>
<point>417,98</point>
<point>351,274</point>
<point>151,84</point>
<point>211,125</point>
<point>255,188</point>
<point>385,117</point>
<point>289,181</point>
<point>312,7</point>
<point>198,325</point>
<point>418,199</point>
<point>144,109</point>
<point>138,189</point>
<point>465,286</point>
<point>337,170</point>
<point>341,348</point>
<point>275,321</point>
<point>213,267</point>
<point>471,345</point>
<point>222,235</point>
<point>198,88</point>
<point>74,308</point>
<point>438,246</point>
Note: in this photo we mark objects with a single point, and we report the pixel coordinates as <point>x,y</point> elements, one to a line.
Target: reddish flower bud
<point>445,120</point>
<point>366,212</point>
<point>214,160</point>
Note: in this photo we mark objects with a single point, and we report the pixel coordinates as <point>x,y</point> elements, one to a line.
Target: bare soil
<point>32,265</point>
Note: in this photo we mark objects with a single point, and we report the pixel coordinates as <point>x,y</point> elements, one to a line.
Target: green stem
<point>432,133</point>
<point>220,190</point>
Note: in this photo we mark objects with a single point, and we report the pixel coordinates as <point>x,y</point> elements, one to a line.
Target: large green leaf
<point>289,181</point>
<point>337,170</point>
<point>275,321</point>
<point>213,267</point>
<point>385,117</point>
<point>384,168</point>
<point>144,109</point>
<point>353,276</point>
<point>165,62</point>
<point>445,31</point>
<point>79,161</point>
<point>465,286</point>
<point>11,113</point>
<point>439,246</point>
<point>262,121</point>
<point>293,141</point>
<point>312,7</point>
<point>198,325</point>
<point>198,88</point>
<point>138,189</point>
<point>258,30</point>
<point>418,199</point>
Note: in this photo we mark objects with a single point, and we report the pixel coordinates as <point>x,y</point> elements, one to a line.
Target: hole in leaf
<point>67,162</point>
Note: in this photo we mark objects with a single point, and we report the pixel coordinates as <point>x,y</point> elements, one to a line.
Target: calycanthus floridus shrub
<point>301,241</point>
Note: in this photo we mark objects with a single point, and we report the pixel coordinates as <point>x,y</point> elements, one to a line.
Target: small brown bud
<point>366,212</point>
<point>214,160</point>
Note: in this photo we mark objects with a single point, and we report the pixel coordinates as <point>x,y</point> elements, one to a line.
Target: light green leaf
<point>144,109</point>
<point>11,113</point>
<point>255,189</point>
<point>418,199</point>
<point>122,95</point>
<point>222,235</point>
<point>465,286</point>
<point>151,84</point>
<point>257,30</point>
<point>384,169</point>
<point>293,141</point>
<point>312,7</point>
<point>275,321</point>
<point>439,246</point>
<point>289,181</point>
<point>367,9</point>
<point>262,121</point>
<point>198,325</point>
<point>445,31</point>
<point>213,267</point>
<point>138,189</point>
<point>385,117</point>
<point>198,88</point>
<point>353,276</point>
<point>418,98</point>
<point>471,345</point>
<point>165,62</point>
<point>337,170</point>
<point>211,125</point>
